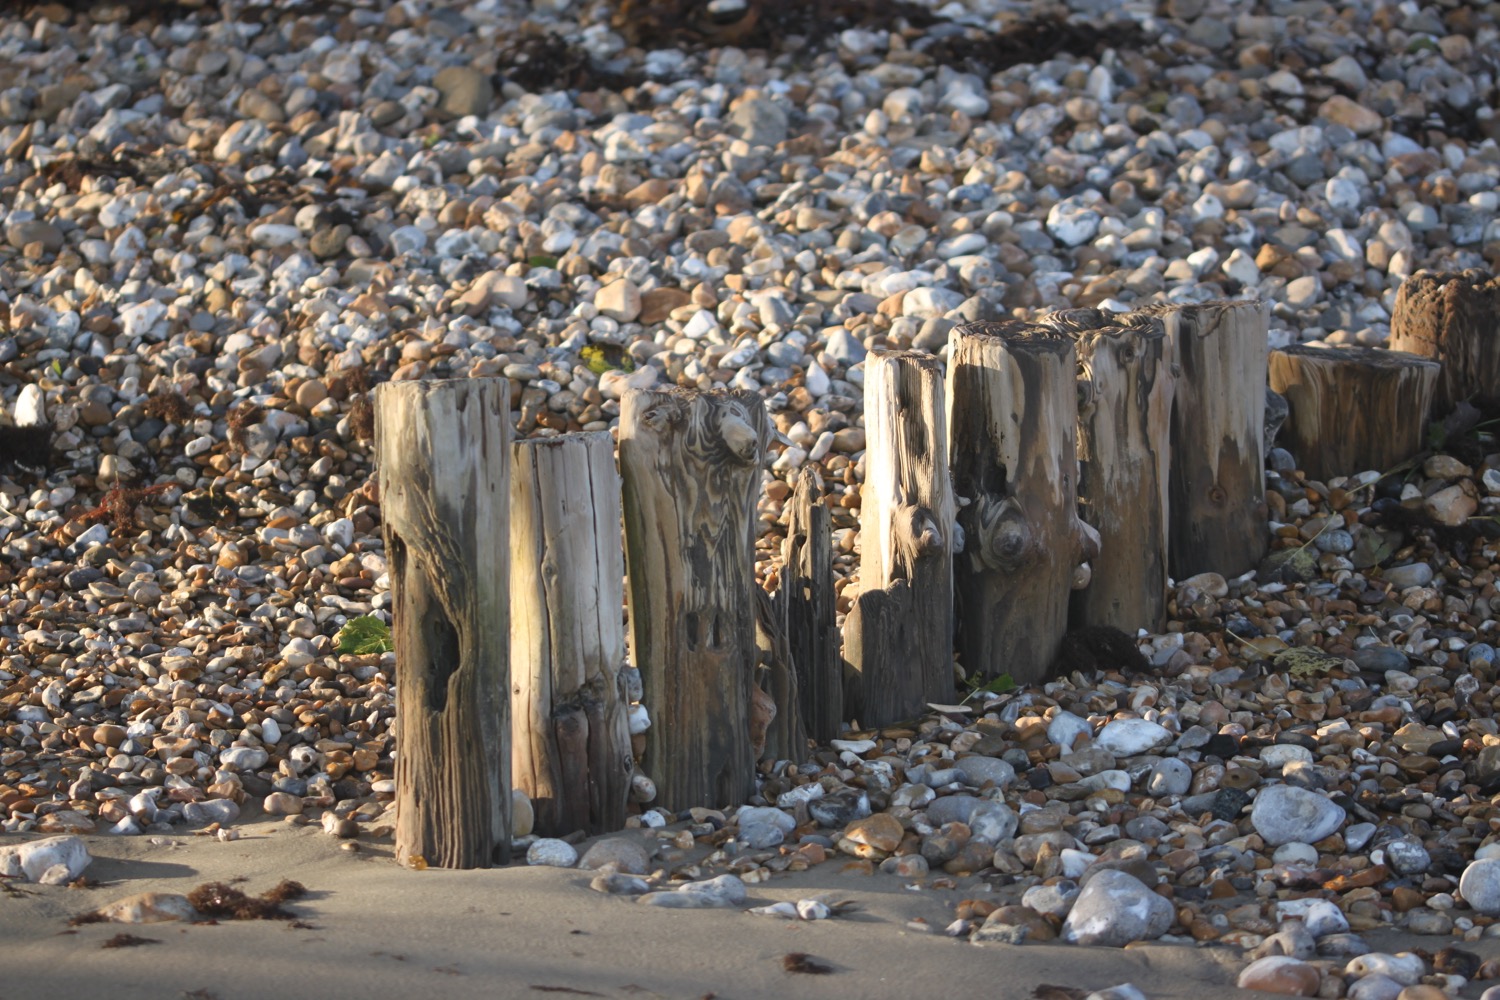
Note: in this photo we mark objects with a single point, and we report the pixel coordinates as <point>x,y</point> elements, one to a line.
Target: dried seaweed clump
<point>119,503</point>
<point>241,419</point>
<point>26,446</point>
<point>1099,647</point>
<point>128,941</point>
<point>223,901</point>
<point>169,406</point>
<point>362,419</point>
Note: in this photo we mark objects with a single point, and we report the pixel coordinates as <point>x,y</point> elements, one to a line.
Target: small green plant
<point>364,635</point>
<point>977,684</point>
<point>541,260</point>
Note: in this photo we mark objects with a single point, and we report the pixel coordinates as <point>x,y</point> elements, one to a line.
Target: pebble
<point>623,854</point>
<point>1283,814</point>
<point>551,852</point>
<point>1282,975</point>
<point>1115,909</point>
<point>149,908</point>
<point>51,860</point>
<point>1480,885</point>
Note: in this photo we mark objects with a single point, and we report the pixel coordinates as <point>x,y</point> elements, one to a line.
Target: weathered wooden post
<point>691,464</point>
<point>807,601</point>
<point>1453,318</point>
<point>571,743</point>
<point>443,451</point>
<point>899,633</point>
<point>1218,501</point>
<point>1013,432</point>
<point>1353,408</point>
<point>1126,387</point>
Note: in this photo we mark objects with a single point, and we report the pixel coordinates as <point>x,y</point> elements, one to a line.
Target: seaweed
<point>362,419</point>
<point>119,504</point>
<point>128,941</point>
<point>221,900</point>
<point>29,446</point>
<point>1032,41</point>
<point>169,406</point>
<point>797,961</point>
<point>542,60</point>
<point>1099,647</point>
<point>240,419</point>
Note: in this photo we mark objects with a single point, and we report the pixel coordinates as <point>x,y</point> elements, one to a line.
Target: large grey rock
<point>68,855</point>
<point>1480,885</point>
<point>1283,814</point>
<point>1128,737</point>
<point>1116,909</point>
<point>465,90</point>
<point>758,121</point>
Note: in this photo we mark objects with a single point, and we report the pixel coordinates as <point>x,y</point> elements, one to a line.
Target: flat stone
<point>465,91</point>
<point>625,854</point>
<point>1281,974</point>
<point>872,836</point>
<point>1282,814</point>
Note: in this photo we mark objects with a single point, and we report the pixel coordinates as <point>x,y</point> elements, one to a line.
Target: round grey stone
<point>1282,814</point>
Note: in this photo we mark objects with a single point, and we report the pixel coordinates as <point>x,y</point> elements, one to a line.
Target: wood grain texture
<point>1353,408</point>
<point>1453,318</point>
<point>1218,502</point>
<point>786,738</point>
<point>691,463</point>
<point>906,534</point>
<point>1127,383</point>
<point>443,452</point>
<point>1013,433</point>
<point>807,603</point>
<point>571,744</point>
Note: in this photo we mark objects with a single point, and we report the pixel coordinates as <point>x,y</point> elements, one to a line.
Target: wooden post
<point>691,464</point>
<point>807,602</point>
<point>1353,408</point>
<point>571,743</point>
<point>1127,384</point>
<point>777,677</point>
<point>443,451</point>
<point>1453,318</point>
<point>1218,491</point>
<point>906,534</point>
<point>1013,432</point>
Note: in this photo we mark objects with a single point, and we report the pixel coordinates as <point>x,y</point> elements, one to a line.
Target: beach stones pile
<point>217,235</point>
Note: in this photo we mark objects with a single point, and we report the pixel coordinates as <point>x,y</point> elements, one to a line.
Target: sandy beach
<point>380,930</point>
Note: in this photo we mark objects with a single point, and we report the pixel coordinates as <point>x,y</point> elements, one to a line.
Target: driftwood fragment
<point>1353,408</point>
<point>691,464</point>
<point>571,745</point>
<point>443,451</point>
<point>1013,431</point>
<point>1453,318</point>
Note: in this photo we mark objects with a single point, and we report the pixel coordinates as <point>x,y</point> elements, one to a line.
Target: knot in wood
<point>1005,537</point>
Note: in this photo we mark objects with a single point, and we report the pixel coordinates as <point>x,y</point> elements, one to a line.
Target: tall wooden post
<point>443,452</point>
<point>1013,433</point>
<point>807,601</point>
<point>1126,387</point>
<point>1353,408</point>
<point>1453,318</point>
<point>1218,499</point>
<point>691,464</point>
<point>899,635</point>
<point>571,744</point>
